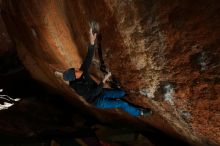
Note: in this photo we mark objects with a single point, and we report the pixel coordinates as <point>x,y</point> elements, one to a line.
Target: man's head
<point>69,75</point>
<point>72,74</point>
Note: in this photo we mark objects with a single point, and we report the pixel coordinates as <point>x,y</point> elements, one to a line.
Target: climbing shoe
<point>146,112</point>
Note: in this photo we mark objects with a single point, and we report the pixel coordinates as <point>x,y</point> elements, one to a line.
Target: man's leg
<point>108,104</point>
<point>113,93</point>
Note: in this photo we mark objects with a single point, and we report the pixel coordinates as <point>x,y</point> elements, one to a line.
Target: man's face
<point>77,69</point>
<point>78,73</point>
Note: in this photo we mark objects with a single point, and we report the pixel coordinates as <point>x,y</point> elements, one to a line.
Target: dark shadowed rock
<point>165,53</point>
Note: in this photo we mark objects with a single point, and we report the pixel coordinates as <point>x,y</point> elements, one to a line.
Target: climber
<point>81,81</point>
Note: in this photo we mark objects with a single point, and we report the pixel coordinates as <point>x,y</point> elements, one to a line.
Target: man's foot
<point>146,112</point>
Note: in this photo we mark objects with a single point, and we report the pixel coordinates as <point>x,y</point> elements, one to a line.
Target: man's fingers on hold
<point>95,35</point>
<point>90,30</point>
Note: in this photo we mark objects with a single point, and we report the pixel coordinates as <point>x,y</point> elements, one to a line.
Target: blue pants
<point>110,99</point>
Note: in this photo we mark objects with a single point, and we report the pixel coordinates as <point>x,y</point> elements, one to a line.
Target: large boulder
<point>165,53</point>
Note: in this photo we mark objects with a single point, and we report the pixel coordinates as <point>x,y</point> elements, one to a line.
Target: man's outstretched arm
<point>88,60</point>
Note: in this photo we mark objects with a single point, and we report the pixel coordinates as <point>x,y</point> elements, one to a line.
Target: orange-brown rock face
<point>165,53</point>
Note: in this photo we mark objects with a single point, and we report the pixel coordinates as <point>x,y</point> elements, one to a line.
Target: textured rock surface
<point>165,53</point>
<point>5,41</point>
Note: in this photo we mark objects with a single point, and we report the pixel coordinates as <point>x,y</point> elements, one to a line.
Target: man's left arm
<point>88,60</point>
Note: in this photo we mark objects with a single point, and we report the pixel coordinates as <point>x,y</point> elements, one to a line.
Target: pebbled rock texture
<point>165,53</point>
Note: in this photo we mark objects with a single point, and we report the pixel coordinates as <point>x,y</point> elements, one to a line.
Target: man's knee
<point>121,93</point>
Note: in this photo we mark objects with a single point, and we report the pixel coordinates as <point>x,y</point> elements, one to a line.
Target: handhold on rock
<point>95,26</point>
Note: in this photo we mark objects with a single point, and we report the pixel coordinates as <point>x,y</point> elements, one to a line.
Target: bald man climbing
<point>93,92</point>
